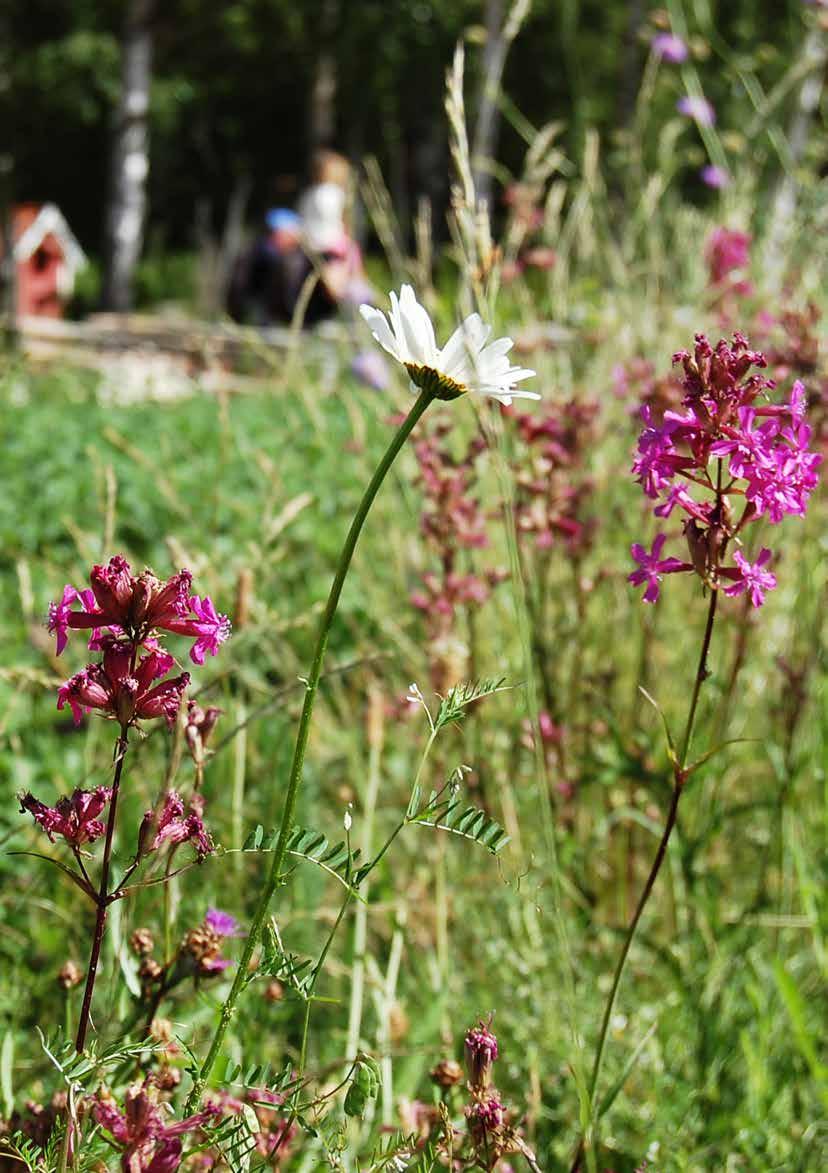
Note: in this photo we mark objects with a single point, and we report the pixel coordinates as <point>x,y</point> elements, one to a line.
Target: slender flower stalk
<point>722,403</point>
<point>124,615</point>
<point>274,878</point>
<point>102,901</point>
<point>679,778</point>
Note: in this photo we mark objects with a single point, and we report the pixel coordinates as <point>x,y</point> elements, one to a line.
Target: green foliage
<point>453,707</point>
<point>312,846</point>
<point>364,1085</point>
<point>451,814</point>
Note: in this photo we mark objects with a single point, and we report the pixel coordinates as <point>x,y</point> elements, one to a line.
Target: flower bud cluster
<point>729,458</point>
<point>175,823</point>
<point>125,614</point>
<point>552,493</point>
<point>452,520</point>
<point>727,254</point>
<point>203,945</point>
<point>74,818</point>
<point>142,1131</point>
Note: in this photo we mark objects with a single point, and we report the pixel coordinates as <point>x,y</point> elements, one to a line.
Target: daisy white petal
<point>468,361</point>
<point>378,325</point>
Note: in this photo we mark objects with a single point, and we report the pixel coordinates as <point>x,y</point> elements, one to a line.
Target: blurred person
<point>268,277</point>
<point>326,237</point>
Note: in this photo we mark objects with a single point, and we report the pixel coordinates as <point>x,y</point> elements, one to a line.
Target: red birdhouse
<point>47,257</point>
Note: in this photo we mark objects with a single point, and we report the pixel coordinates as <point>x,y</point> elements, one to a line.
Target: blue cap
<point>279,219</point>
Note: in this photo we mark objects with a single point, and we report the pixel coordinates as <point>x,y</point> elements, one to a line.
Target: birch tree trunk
<point>499,37</point>
<point>322,106</point>
<point>126,208</point>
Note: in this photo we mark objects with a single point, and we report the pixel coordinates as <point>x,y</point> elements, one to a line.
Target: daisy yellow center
<point>435,382</point>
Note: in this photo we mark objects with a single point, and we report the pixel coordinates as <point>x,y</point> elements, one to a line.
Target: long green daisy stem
<point>274,877</point>
<point>661,852</point>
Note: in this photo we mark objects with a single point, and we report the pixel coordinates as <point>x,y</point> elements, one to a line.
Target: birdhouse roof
<point>32,223</point>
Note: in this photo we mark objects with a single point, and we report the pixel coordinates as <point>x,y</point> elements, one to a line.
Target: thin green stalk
<point>361,916</point>
<point>678,786</point>
<point>274,877</point>
<point>317,969</point>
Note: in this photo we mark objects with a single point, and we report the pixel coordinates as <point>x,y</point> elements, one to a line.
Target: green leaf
<point>671,748</point>
<point>277,963</point>
<point>712,752</point>
<point>6,1067</point>
<point>414,801</point>
<point>469,821</point>
<point>311,846</point>
<point>74,876</point>
<point>803,1033</point>
<point>610,1097</point>
<point>453,706</point>
<point>364,1086</point>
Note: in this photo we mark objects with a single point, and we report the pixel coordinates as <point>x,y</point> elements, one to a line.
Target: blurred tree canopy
<point>233,86</point>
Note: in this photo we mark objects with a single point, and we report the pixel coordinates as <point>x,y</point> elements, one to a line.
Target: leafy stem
<point>680,774</point>
<point>274,877</point>
<point>102,900</point>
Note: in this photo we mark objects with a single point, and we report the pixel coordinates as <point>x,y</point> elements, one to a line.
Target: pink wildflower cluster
<point>728,459</point>
<point>452,520</point>
<point>148,1142</point>
<point>727,254</point>
<point>203,944</point>
<point>670,48</point>
<point>176,823</point>
<point>74,818</point>
<point>136,606</point>
<point>480,1048</point>
<point>123,686</point>
<point>551,494</point>
<point>524,232</point>
<point>124,614</point>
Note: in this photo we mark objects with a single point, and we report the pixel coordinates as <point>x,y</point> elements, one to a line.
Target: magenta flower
<point>784,482</point>
<point>751,577</point>
<point>715,177</point>
<point>726,251</point>
<point>223,923</point>
<point>148,1143</point>
<point>697,108</point>
<point>764,447</point>
<point>75,817</point>
<point>210,628</point>
<point>486,1115</point>
<point>747,448</point>
<point>480,1053</point>
<point>653,566</point>
<point>175,826</point>
<point>670,48</point>
<point>136,606</point>
<point>122,692</point>
<point>59,615</point>
<point>481,1043</point>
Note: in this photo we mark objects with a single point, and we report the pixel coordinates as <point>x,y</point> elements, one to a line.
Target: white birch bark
<point>126,210</point>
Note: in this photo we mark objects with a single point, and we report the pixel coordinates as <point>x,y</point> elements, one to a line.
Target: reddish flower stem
<point>103,896</point>
<point>679,777</point>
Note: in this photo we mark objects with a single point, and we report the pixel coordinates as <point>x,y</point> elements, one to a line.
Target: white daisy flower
<point>468,361</point>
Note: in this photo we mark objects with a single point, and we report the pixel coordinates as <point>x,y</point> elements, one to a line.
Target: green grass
<point>725,988</point>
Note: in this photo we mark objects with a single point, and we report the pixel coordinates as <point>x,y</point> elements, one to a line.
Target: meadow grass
<point>714,1057</point>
